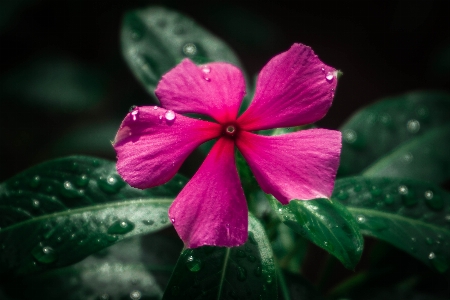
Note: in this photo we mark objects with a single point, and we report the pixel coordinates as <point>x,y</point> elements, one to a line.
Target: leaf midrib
<point>87,209</point>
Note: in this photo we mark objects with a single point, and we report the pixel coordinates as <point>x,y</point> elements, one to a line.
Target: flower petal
<point>152,143</point>
<point>300,165</point>
<point>293,89</point>
<point>215,89</point>
<point>211,209</point>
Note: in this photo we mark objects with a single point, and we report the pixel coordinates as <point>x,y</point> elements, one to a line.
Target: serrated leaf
<point>326,223</point>
<point>156,39</point>
<point>411,215</point>
<point>122,271</point>
<point>245,272</point>
<point>424,157</point>
<point>380,128</point>
<point>61,211</point>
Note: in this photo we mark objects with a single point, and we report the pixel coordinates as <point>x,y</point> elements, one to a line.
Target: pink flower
<point>295,88</point>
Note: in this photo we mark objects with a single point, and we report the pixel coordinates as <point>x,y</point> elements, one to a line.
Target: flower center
<point>230,130</point>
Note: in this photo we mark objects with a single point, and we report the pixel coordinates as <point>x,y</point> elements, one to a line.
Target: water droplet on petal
<point>329,77</point>
<point>169,115</point>
<point>206,69</point>
<point>207,79</point>
<point>413,126</point>
<point>134,114</point>
<point>155,107</point>
<point>323,70</point>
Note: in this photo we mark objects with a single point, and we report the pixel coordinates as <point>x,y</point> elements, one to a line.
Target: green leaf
<point>293,286</point>
<point>156,39</point>
<point>424,157</point>
<point>131,269</point>
<point>326,223</point>
<point>379,129</point>
<point>245,272</point>
<point>59,212</point>
<point>411,215</point>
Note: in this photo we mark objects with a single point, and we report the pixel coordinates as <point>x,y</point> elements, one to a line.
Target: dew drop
<point>132,108</point>
<point>148,222</point>
<point>207,79</point>
<point>350,136</point>
<point>155,107</point>
<point>269,279</point>
<point>241,274</point>
<point>104,296</point>
<point>35,203</point>
<point>190,49</point>
<point>121,227</point>
<point>110,184</point>
<point>342,195</point>
<point>169,115</point>
<point>407,158</point>
<point>163,218</point>
<point>172,220</point>
<point>241,254</point>
<point>35,182</point>
<point>388,199</point>
<point>428,195</point>
<point>135,295</point>
<point>82,181</point>
<point>413,126</point>
<point>69,191</point>
<point>375,191</point>
<point>403,190</point>
<point>323,70</point>
<point>447,218</point>
<point>160,117</point>
<point>429,240</point>
<point>206,69</point>
<point>360,219</point>
<point>134,114</point>
<point>193,264</point>
<point>431,255</point>
<point>329,76</point>
<point>44,255</point>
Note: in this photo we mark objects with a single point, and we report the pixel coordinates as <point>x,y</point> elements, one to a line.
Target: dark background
<point>383,48</point>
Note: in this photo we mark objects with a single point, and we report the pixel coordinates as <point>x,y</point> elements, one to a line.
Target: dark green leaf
<point>293,287</point>
<point>127,270</point>
<point>380,128</point>
<point>411,215</point>
<point>59,212</point>
<point>245,272</point>
<point>326,223</point>
<point>156,39</point>
<point>425,157</point>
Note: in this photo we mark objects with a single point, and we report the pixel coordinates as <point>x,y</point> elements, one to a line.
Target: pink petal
<point>151,147</point>
<point>300,165</point>
<point>211,209</point>
<point>215,89</point>
<point>293,89</point>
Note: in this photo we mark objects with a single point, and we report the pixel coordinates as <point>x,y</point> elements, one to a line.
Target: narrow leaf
<point>328,224</point>
<point>411,215</point>
<point>380,128</point>
<point>156,39</point>
<point>245,272</point>
<point>59,212</point>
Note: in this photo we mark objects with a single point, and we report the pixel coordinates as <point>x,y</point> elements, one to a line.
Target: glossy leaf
<point>156,39</point>
<point>411,215</point>
<point>326,223</point>
<point>245,272</point>
<point>425,157</point>
<point>379,129</point>
<point>59,212</point>
<point>127,270</point>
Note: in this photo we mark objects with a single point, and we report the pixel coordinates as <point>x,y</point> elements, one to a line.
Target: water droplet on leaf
<point>121,227</point>
<point>241,274</point>
<point>135,295</point>
<point>69,191</point>
<point>35,203</point>
<point>190,49</point>
<point>110,184</point>
<point>193,264</point>
<point>44,254</point>
<point>148,222</point>
<point>82,181</point>
<point>35,181</point>
<point>413,126</point>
